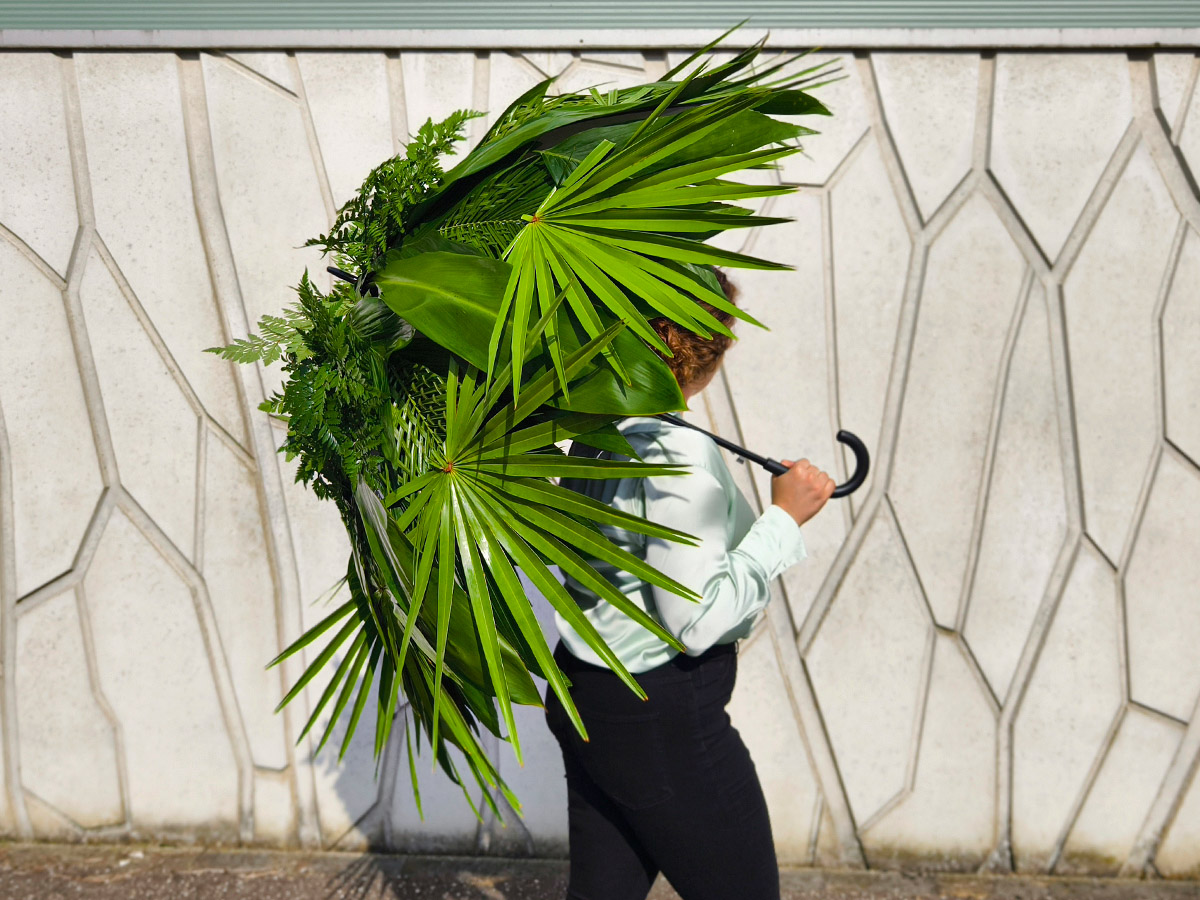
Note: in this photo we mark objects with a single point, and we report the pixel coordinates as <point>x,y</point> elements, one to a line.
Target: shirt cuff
<point>775,541</point>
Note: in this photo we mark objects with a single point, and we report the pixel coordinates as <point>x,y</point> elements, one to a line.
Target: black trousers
<point>664,784</point>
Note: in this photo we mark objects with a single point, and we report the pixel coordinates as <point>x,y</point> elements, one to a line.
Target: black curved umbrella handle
<point>862,464</point>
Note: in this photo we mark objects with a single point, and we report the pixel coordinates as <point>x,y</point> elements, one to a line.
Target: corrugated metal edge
<point>640,38</point>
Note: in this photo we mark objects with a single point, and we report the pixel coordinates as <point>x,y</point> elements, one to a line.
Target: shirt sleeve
<point>733,582</point>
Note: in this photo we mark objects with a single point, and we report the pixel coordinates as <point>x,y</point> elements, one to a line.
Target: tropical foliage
<point>501,308</point>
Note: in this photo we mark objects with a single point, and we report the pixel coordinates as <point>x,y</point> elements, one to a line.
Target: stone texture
<point>870,250</point>
<point>133,125</point>
<point>1057,119</point>
<point>1181,349</point>
<point>448,825</point>
<point>847,101</point>
<point>1026,516</point>
<point>795,422</point>
<point>1179,854</point>
<point>972,284</point>
<point>68,754</point>
<point>273,66</point>
<point>933,137</point>
<point>1172,71</point>
<point>1118,801</point>
<point>269,191</point>
<point>436,84</point>
<point>1072,698</point>
<point>586,74</point>
<point>237,571</point>
<point>762,714</point>
<point>869,698</point>
<point>50,511</point>
<point>155,673</point>
<point>540,784</point>
<point>152,426</point>
<point>509,76</point>
<point>274,809</point>
<point>949,813</point>
<point>1160,594</point>
<point>1110,296</point>
<point>37,192</point>
<point>1188,138</point>
<point>348,99</point>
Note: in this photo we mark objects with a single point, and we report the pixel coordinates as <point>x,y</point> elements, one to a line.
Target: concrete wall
<point>990,655</point>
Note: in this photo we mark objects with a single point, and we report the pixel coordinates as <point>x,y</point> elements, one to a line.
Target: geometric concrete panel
<point>37,193</point>
<point>274,809</point>
<point>972,284</point>
<point>870,252</point>
<point>846,99</point>
<point>156,674</point>
<point>1026,517</point>
<point>1179,854</point>
<point>509,76</point>
<point>275,67</point>
<point>1189,139</point>
<point>587,74</point>
<point>1181,350</point>
<point>1171,74</point>
<point>1110,297</point>
<point>540,784</point>
<point>346,790</point>
<point>1161,600</point>
<point>448,826</point>
<point>934,139</point>
<point>1072,697</point>
<point>319,540</point>
<point>950,811</point>
<point>869,696</point>
<point>270,195</point>
<point>238,574</point>
<point>793,304</point>
<point>153,428</point>
<point>628,59</point>
<point>51,453</point>
<point>437,84</point>
<point>68,754</point>
<point>762,714</point>
<point>1057,119</point>
<point>133,126</point>
<point>1117,803</point>
<point>550,62</point>
<point>348,98</point>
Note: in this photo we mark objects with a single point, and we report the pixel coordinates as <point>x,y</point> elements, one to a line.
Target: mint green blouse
<point>731,567</point>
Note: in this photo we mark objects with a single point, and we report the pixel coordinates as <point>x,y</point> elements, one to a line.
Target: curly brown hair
<point>696,356</point>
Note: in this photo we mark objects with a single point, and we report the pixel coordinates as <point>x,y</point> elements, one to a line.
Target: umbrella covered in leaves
<point>498,309</point>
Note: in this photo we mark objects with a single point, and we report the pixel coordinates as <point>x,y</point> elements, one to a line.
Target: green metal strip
<point>593,14</point>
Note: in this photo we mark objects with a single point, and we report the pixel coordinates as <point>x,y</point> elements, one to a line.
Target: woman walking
<point>666,784</point>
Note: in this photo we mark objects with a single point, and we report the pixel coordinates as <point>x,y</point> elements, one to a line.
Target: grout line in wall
<point>253,74</point>
<point>314,142</point>
<point>32,255</point>
<point>397,101</point>
<point>101,700</point>
<point>1085,791</point>
<point>981,148</point>
<point>248,381</point>
<point>999,396</point>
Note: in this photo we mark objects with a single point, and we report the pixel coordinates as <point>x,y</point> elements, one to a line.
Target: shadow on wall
<point>364,805</point>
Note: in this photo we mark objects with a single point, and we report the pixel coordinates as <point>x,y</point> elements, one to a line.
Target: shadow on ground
<point>83,872</point>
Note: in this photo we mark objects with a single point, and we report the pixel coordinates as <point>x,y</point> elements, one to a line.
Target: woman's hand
<point>802,490</point>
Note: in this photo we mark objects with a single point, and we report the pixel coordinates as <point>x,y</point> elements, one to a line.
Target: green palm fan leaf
<point>498,310</point>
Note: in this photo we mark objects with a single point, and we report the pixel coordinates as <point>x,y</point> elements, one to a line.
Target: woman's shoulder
<point>659,441</point>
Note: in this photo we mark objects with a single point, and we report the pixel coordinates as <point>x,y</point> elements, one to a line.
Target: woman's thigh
<point>682,780</point>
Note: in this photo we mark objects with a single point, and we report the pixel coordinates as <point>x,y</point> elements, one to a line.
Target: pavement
<point>128,872</point>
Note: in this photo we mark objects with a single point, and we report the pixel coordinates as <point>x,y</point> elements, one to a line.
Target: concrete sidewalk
<point>106,872</point>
